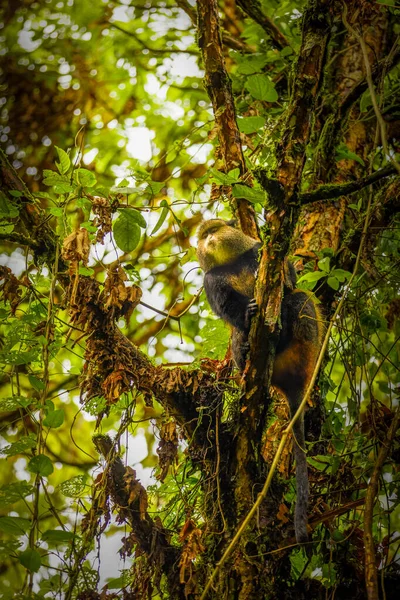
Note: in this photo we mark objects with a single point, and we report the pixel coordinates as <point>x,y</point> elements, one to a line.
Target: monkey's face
<point>220,243</point>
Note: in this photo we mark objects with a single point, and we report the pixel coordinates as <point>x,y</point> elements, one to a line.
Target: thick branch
<point>219,89</point>
<point>228,40</point>
<point>330,191</point>
<point>253,9</point>
<point>130,500</point>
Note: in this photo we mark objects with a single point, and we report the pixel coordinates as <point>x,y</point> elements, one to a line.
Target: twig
<point>253,9</point>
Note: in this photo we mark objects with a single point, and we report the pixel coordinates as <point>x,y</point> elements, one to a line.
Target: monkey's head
<point>221,243</point>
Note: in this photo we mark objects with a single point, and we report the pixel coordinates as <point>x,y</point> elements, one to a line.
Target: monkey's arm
<point>226,302</point>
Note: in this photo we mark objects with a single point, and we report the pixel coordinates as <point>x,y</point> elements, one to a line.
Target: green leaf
<point>56,211</point>
<point>54,418</point>
<point>137,217</point>
<point>313,276</point>
<point>341,274</point>
<point>53,178</point>
<point>7,210</point>
<point>9,404</point>
<point>261,88</point>
<point>154,187</point>
<point>222,178</point>
<point>287,51</point>
<point>21,446</point>
<point>16,193</point>
<point>333,283</point>
<point>85,178</point>
<point>41,465</point>
<point>44,195</point>
<point>87,271</point>
<point>74,487</point>
<point>31,560</point>
<point>57,536</point>
<point>253,63</point>
<point>14,525</point>
<point>324,264</point>
<point>343,152</point>
<point>215,336</point>
<point>6,228</point>
<point>298,560</point>
<point>13,492</point>
<point>251,124</point>
<point>63,188</point>
<point>65,162</point>
<point>253,195</point>
<point>126,190</point>
<point>126,231</point>
<point>36,383</point>
<point>162,217</point>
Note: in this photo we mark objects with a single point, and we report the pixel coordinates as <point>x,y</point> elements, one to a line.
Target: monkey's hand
<point>252,309</point>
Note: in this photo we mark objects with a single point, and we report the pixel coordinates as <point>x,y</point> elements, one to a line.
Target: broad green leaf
<point>16,193</point>
<point>41,465</point>
<point>298,560</point>
<point>253,195</point>
<point>53,178</point>
<point>137,216</point>
<point>57,535</point>
<point>251,124</point>
<point>162,217</point>
<point>324,264</point>
<point>85,178</point>
<point>63,188</point>
<point>36,383</point>
<point>9,404</point>
<point>14,525</point>
<point>154,187</point>
<point>54,418</point>
<point>65,162</point>
<point>313,276</point>
<point>333,283</point>
<point>7,210</point>
<point>74,487</point>
<point>126,232</point>
<point>21,446</point>
<point>13,492</point>
<point>341,274</point>
<point>31,560</point>
<point>252,63</point>
<point>261,88</point>
<point>222,178</point>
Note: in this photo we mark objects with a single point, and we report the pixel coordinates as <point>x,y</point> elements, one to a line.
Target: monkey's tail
<point>302,490</point>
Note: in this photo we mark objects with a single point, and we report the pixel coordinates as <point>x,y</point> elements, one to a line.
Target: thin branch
<point>160,51</point>
<point>253,9</point>
<point>335,190</point>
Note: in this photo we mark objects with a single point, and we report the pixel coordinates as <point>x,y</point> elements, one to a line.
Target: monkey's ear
<point>232,223</point>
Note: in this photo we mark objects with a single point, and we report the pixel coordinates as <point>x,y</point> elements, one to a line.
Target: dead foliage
<point>167,449</point>
<point>10,288</point>
<point>190,536</point>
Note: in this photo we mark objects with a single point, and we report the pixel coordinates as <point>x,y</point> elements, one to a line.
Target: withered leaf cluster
<point>167,449</point>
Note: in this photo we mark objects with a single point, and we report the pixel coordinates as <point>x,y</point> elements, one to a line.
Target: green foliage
<point>107,121</point>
